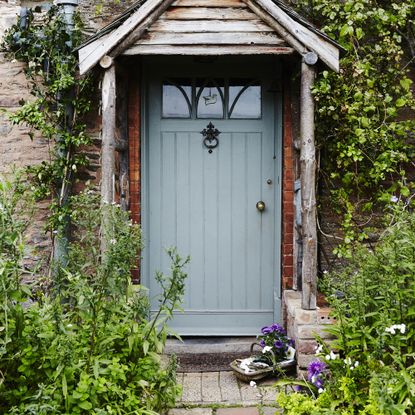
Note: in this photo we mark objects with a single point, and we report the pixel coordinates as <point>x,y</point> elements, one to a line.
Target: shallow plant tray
<point>260,373</point>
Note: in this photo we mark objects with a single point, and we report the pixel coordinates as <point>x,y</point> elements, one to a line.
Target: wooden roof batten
<point>208,27</point>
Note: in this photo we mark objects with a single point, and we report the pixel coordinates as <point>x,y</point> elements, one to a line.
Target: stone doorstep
<point>261,410</point>
<point>201,345</point>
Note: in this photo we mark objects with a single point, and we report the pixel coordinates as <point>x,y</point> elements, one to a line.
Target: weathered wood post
<point>308,185</point>
<point>108,143</point>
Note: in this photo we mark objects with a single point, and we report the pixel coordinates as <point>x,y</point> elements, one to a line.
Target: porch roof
<point>122,33</point>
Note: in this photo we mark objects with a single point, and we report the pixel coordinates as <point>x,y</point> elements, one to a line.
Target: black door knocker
<point>210,135</point>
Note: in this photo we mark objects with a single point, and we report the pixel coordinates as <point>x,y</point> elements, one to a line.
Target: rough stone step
<point>202,345</point>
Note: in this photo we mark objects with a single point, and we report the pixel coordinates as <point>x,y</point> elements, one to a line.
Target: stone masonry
<point>303,326</point>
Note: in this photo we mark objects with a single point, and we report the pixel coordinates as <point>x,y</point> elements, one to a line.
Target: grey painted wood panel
<point>205,205</point>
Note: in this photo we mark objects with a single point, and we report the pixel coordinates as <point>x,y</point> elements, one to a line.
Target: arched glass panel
<point>177,98</point>
<point>244,99</point>
<point>210,98</point>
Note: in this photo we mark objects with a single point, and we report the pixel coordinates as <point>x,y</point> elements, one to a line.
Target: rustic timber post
<point>108,143</point>
<point>308,187</point>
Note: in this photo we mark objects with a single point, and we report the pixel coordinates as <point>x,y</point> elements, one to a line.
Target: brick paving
<point>221,393</point>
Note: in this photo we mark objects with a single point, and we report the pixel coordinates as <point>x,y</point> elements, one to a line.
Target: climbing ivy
<point>364,130</point>
<point>60,99</point>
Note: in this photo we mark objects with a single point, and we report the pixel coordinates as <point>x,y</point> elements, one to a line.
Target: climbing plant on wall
<point>365,128</point>
<point>59,102</point>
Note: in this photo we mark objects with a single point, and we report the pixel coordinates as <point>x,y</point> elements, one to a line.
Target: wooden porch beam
<point>308,189</point>
<point>270,20</point>
<point>108,145</point>
<point>92,53</point>
<point>138,32</point>
<point>326,51</point>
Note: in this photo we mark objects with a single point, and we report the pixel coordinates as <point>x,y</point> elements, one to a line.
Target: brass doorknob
<point>260,206</point>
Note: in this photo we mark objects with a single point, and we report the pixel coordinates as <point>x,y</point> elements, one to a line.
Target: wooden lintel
<point>308,190</point>
<point>207,50</point>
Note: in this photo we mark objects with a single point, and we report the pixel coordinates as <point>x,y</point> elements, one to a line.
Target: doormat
<point>207,362</point>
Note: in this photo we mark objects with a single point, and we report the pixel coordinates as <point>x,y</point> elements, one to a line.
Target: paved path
<point>220,393</point>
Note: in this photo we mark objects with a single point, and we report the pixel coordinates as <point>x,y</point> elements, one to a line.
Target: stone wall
<point>17,150</point>
<point>303,326</point>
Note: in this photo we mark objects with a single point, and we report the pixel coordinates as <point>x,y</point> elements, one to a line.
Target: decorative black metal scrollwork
<point>210,135</point>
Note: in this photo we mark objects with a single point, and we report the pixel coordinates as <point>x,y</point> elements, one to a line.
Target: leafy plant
<point>364,129</point>
<point>60,100</point>
<point>87,345</point>
<point>372,370</point>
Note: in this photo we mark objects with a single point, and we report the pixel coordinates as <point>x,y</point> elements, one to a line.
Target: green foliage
<point>373,369</point>
<point>361,128</point>
<point>87,345</point>
<point>58,104</point>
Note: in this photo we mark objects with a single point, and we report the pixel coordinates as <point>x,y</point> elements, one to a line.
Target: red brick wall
<point>287,248</point>
<point>134,135</point>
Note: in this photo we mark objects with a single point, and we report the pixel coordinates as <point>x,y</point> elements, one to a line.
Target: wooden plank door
<point>204,202</point>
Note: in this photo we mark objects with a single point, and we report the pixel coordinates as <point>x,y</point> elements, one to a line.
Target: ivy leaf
<point>406,84</point>
<point>400,102</point>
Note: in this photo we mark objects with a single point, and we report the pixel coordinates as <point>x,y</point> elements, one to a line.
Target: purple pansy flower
<point>278,328</point>
<point>266,330</point>
<point>262,343</point>
<point>279,344</point>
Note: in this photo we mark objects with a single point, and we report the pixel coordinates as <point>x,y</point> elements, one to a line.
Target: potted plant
<point>277,353</point>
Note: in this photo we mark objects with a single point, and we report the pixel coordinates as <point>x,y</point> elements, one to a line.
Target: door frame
<point>137,127</point>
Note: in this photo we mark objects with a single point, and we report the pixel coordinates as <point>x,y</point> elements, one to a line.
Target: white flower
<point>321,390</point>
<point>319,348</point>
<point>348,361</point>
<point>356,363</point>
<point>290,353</point>
<point>394,199</point>
<point>331,356</point>
<point>113,241</point>
<point>252,383</point>
<point>266,349</point>
<point>392,329</point>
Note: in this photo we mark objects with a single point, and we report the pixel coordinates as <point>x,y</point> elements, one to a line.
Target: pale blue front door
<point>203,198</point>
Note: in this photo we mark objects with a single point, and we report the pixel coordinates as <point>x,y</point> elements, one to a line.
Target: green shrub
<point>372,367</point>
<point>87,345</point>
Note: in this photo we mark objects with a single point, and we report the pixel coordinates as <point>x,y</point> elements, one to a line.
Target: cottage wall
<point>17,150</point>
